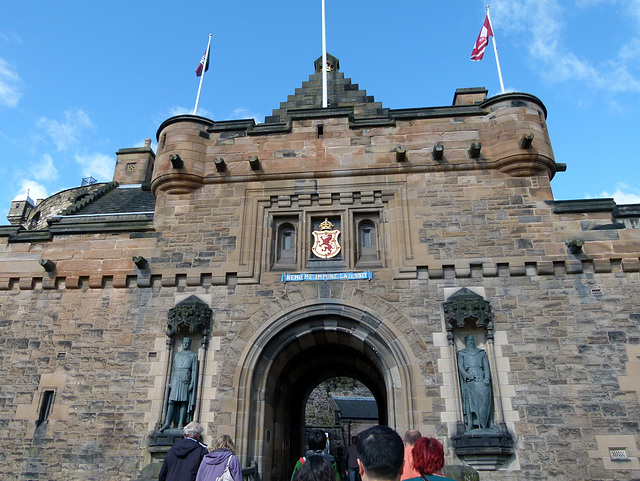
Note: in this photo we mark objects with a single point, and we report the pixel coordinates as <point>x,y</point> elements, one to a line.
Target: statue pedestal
<point>484,450</point>
<point>161,442</point>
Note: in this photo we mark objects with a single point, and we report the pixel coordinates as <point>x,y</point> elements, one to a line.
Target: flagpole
<point>495,50</point>
<point>324,60</point>
<point>204,67</point>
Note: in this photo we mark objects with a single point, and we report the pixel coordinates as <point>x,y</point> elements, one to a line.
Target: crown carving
<point>326,225</point>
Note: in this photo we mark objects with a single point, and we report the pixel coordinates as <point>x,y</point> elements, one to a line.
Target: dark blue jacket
<point>182,461</point>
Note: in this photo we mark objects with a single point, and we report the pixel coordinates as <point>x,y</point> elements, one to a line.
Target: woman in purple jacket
<point>220,464</point>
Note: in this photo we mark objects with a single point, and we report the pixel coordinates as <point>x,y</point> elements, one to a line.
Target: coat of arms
<point>326,241</point>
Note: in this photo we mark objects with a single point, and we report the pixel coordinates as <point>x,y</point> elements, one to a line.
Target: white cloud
<point>179,110</point>
<point>36,190</point>
<point>544,23</point>
<point>99,166</point>
<point>66,132</point>
<point>10,86</point>
<point>45,170</point>
<point>624,194</point>
<point>244,113</point>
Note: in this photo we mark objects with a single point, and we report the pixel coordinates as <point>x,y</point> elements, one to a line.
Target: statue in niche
<point>475,382</point>
<point>181,391</point>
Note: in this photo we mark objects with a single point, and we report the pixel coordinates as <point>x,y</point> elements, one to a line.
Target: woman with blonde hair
<point>220,463</point>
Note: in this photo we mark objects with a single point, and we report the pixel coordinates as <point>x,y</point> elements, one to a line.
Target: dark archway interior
<point>294,362</point>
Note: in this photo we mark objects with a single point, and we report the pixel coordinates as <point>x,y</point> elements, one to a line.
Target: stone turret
<point>20,209</point>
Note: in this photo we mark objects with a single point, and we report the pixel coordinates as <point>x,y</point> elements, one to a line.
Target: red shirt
<point>408,471</point>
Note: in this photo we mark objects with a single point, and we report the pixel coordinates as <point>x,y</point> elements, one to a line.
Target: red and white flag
<point>203,66</point>
<point>483,40</point>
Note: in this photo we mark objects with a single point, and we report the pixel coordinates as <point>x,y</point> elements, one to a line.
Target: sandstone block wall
<point>567,324</point>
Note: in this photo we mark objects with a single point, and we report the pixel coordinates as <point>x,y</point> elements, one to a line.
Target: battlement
<point>507,133</point>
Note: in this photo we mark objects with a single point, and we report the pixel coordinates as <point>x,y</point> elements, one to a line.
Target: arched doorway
<point>300,348</point>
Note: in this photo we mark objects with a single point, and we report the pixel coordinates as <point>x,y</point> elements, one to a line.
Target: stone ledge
<point>197,278</point>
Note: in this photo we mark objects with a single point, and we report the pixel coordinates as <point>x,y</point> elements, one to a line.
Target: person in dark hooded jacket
<point>215,463</point>
<point>183,460</point>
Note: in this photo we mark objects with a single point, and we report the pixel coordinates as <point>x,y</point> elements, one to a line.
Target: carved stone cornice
<point>192,314</point>
<point>466,306</point>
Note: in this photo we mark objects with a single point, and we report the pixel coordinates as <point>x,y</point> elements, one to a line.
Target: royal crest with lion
<point>326,243</point>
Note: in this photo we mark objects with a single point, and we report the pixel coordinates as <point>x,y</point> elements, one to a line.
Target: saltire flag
<point>203,66</point>
<point>483,40</point>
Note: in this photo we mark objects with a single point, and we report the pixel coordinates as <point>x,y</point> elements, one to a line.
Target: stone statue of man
<point>182,386</point>
<point>475,381</point>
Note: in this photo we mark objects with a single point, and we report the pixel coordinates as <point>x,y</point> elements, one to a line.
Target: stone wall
<point>566,322</point>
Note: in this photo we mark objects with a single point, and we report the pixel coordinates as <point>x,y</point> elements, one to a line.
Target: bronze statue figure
<point>475,381</point>
<point>182,387</point>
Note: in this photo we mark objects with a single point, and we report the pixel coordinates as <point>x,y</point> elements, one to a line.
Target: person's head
<point>186,343</point>
<point>225,442</point>
<point>193,430</point>
<point>411,436</point>
<point>354,439</point>
<point>380,454</point>
<point>317,440</point>
<point>470,341</point>
<point>316,468</point>
<point>428,456</point>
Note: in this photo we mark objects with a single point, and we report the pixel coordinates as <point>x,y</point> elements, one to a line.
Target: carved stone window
<point>284,243</point>
<point>286,250</point>
<point>367,246</point>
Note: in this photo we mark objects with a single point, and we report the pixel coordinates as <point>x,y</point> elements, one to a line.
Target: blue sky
<point>80,80</point>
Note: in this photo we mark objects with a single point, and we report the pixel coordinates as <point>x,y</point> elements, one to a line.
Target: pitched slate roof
<point>357,407</point>
<point>119,200</point>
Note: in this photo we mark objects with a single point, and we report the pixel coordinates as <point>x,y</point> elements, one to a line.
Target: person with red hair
<point>428,460</point>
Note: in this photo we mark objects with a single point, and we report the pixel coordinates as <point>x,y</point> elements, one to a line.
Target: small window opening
<point>366,237</point>
<point>45,406</point>
<point>286,243</point>
<point>367,247</point>
<point>286,238</point>
<point>320,131</point>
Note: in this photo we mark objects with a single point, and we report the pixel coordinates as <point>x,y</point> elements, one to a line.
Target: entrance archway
<point>297,350</point>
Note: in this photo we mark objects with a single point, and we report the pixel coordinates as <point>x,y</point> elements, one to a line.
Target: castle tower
<point>21,206</point>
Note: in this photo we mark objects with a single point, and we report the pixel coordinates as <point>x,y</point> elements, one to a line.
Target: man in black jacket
<point>183,460</point>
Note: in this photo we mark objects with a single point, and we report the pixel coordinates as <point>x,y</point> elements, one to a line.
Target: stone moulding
<point>192,314</point>
<point>464,306</point>
<point>197,278</point>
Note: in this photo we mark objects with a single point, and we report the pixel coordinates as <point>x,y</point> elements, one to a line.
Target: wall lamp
<point>48,265</point>
<point>176,161</point>
<point>401,154</point>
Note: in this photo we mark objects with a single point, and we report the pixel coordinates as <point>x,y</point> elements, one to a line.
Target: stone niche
<point>188,329</point>
<point>481,439</point>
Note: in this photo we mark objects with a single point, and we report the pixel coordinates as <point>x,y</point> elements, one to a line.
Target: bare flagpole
<point>324,60</point>
<point>495,50</point>
<point>204,67</point>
